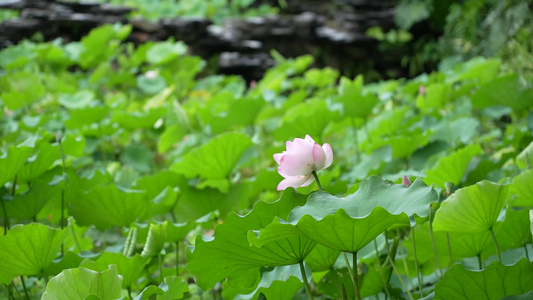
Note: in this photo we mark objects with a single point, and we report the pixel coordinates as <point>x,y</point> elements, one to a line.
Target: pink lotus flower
<point>300,160</point>
<point>406,181</point>
<point>422,90</point>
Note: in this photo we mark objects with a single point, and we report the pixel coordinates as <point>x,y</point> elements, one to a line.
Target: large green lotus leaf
<point>139,157</point>
<point>170,137</point>
<point>437,95</point>
<point>229,255</point>
<point>310,117</point>
<point>80,283</point>
<point>355,104</point>
<point>101,44</point>
<point>21,89</point>
<point>13,159</point>
<point>452,168</point>
<point>526,296</point>
<point>467,245</point>
<point>457,131</point>
<point>487,165</point>
<point>46,154</point>
<point>525,158</point>
<point>164,52</point>
<point>333,283</point>
<point>27,205</point>
<point>28,250</point>
<point>281,283</point>
<point>163,189</point>
<point>338,231</point>
<point>495,282</point>
<point>348,224</point>
<point>172,287</point>
<point>69,260</point>
<point>479,69</point>
<point>424,248</point>
<point>242,112</point>
<point>138,119</point>
<point>195,203</point>
<point>79,100</point>
<point>105,206</point>
<point>177,231</point>
<point>385,124</point>
<point>471,209</point>
<point>513,232</point>
<point>509,90</point>
<point>403,145</point>
<point>130,268</point>
<point>372,283</point>
<point>522,188</point>
<point>216,159</point>
<point>369,164</point>
<point>321,258</point>
<point>86,116</point>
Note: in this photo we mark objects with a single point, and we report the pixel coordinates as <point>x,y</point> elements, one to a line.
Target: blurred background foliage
<point>426,33</point>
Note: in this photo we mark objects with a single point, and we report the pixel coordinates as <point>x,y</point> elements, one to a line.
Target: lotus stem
<point>24,286</point>
<point>433,242</point>
<point>356,279</point>
<point>160,259</point>
<point>380,271</point>
<point>418,275</point>
<point>304,278</point>
<point>6,217</point>
<point>449,248</point>
<point>317,181</point>
<point>400,278</point>
<point>496,245</point>
<point>177,258</point>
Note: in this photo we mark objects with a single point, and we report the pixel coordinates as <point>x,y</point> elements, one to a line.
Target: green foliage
<point>144,178</point>
<point>495,282</point>
<point>28,250</point>
<point>80,283</point>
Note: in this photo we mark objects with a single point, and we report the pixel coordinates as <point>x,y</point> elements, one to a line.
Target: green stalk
<point>400,278</point>
<point>433,242</point>
<point>496,245</point>
<point>306,283</point>
<point>25,289</point>
<point>527,254</point>
<point>76,239</point>
<point>449,248</point>
<point>7,225</point>
<point>9,291</point>
<point>391,252</point>
<point>177,258</point>
<point>479,262</point>
<point>355,278</point>
<point>350,270</point>
<point>160,259</point>
<point>6,217</point>
<point>380,271</point>
<point>404,261</point>
<point>418,275</point>
<point>317,181</point>
<point>58,139</point>
<point>356,143</point>
<point>62,216</point>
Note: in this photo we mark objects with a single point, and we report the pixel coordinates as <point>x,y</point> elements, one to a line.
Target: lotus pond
<point>132,173</point>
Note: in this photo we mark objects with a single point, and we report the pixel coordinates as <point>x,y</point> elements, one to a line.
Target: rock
<point>243,45</point>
